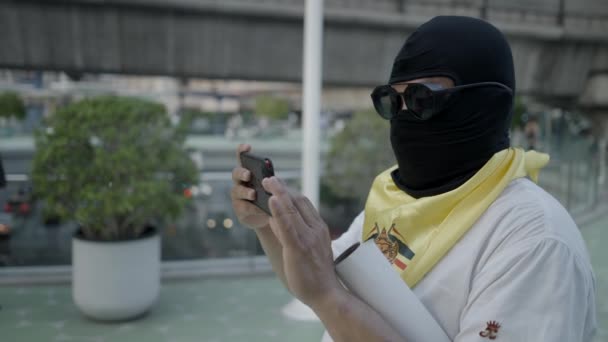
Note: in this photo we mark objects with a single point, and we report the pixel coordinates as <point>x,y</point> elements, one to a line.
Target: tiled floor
<point>208,310</point>
<point>214,310</point>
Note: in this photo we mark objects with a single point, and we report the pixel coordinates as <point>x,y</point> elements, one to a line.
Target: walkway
<point>213,310</point>
<point>220,309</point>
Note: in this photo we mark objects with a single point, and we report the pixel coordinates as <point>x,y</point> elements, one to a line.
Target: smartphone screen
<point>260,168</point>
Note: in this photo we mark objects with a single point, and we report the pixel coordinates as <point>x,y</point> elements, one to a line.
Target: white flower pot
<point>117,280</point>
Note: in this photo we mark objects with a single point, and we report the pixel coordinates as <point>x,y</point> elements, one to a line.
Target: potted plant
<point>115,166</point>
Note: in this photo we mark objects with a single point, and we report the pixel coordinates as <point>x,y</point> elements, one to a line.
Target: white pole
<point>311,78</point>
<point>311,105</point>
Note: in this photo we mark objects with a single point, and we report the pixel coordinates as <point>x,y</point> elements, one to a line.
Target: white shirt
<point>523,264</point>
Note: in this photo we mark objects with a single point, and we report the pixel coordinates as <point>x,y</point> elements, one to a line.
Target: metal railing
<point>575,183</point>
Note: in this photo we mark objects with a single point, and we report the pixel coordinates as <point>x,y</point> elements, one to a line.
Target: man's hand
<point>247,213</point>
<point>307,255</point>
<point>299,248</point>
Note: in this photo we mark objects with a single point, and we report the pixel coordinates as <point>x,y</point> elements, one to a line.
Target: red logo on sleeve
<point>491,330</point>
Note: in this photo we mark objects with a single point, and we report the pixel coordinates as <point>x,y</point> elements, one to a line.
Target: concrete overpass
<point>557,44</point>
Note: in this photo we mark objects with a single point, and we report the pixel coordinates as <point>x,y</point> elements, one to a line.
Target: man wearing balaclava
<point>488,253</point>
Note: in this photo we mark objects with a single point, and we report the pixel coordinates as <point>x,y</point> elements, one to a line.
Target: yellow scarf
<point>414,234</point>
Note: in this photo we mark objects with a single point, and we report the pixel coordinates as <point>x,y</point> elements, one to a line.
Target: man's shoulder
<point>524,215</point>
<point>524,203</point>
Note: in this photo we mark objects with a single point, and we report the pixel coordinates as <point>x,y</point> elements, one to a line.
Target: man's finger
<point>240,174</point>
<point>306,210</point>
<point>240,149</point>
<point>303,205</point>
<point>245,209</point>
<point>316,215</point>
<point>283,223</point>
<point>286,221</point>
<point>240,192</point>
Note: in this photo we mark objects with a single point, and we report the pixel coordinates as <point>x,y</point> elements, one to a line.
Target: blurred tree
<point>356,156</point>
<point>519,111</point>
<point>271,107</point>
<point>11,105</point>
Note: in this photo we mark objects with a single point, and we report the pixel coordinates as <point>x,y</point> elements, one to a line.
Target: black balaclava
<point>442,153</point>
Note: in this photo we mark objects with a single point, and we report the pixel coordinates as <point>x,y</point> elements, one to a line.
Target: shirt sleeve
<point>350,237</point>
<point>537,292</point>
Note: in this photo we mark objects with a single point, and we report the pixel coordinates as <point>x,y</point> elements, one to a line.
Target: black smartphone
<point>260,168</point>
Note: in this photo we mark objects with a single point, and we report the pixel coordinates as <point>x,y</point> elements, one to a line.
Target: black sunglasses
<point>424,100</point>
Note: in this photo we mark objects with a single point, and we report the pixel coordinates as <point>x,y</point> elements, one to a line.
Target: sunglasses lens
<point>420,100</point>
<point>386,102</point>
